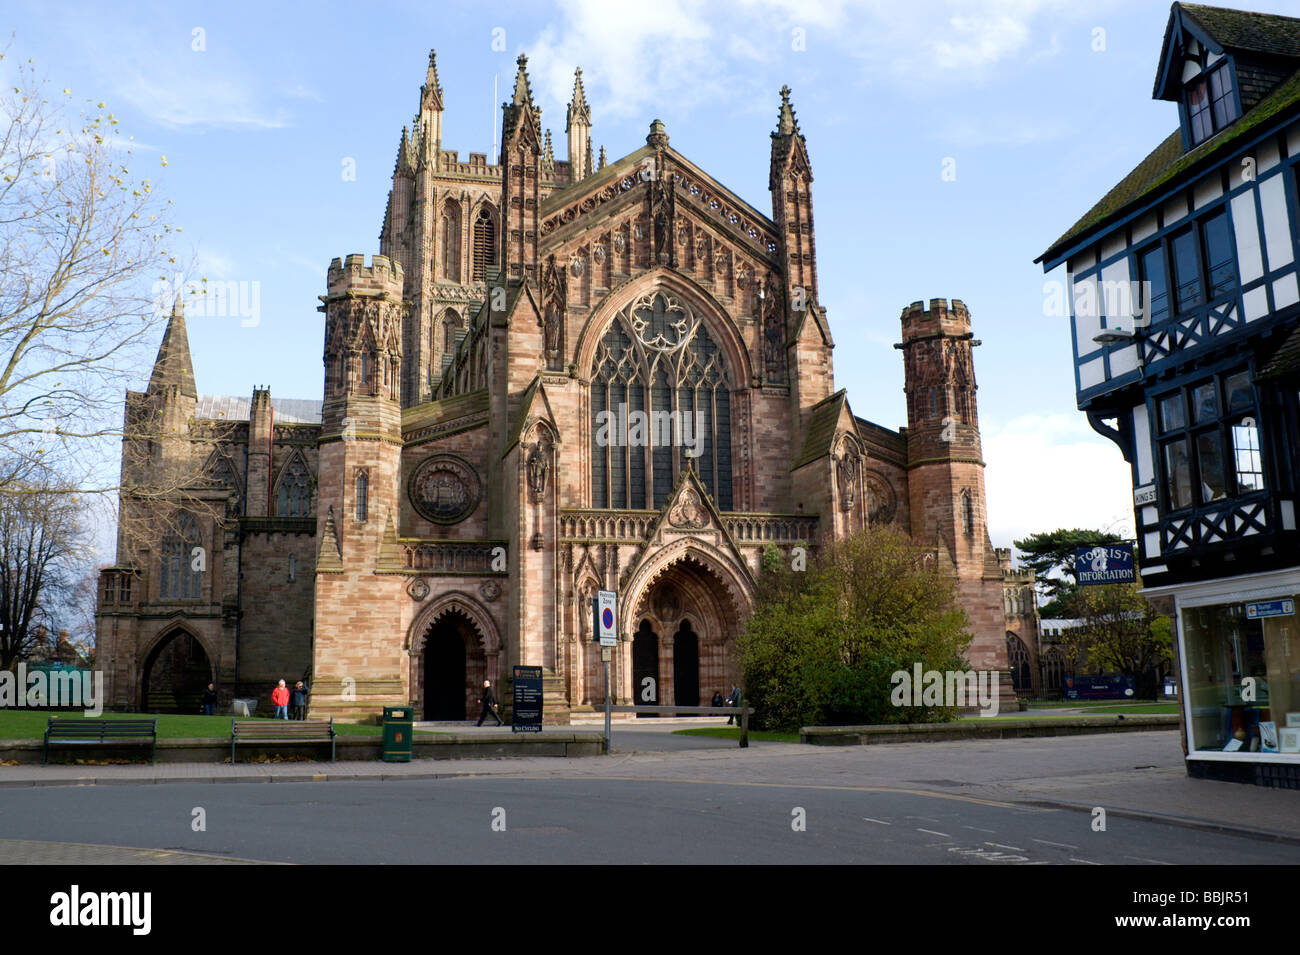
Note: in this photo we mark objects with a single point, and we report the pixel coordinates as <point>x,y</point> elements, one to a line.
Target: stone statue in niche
<point>538,465</point>
<point>847,473</point>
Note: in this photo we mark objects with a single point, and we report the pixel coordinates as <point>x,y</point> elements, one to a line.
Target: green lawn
<point>1139,708</point>
<point>30,724</point>
<point>733,732</point>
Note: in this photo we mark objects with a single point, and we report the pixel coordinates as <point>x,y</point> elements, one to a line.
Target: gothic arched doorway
<point>176,672</point>
<point>452,668</point>
<point>686,666</point>
<point>645,666</point>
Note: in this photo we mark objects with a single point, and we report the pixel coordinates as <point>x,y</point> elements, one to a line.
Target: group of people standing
<point>282,698</point>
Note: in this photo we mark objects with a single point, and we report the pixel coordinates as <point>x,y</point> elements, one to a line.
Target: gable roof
<point>1271,34</point>
<point>1167,165</point>
<point>822,422</point>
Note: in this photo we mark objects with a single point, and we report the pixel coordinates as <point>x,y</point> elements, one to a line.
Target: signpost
<point>1104,564</point>
<point>605,608</point>
<point>1270,608</point>
<point>527,715</point>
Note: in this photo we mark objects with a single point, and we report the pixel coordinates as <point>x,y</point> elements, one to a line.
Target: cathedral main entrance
<point>176,673</point>
<point>452,668</point>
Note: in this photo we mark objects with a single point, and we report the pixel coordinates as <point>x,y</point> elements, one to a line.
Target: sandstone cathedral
<point>556,376</point>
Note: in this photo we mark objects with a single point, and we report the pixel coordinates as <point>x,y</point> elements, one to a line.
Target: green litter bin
<point>399,731</point>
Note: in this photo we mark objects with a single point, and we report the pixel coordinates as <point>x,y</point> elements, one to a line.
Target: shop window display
<point>1243,679</point>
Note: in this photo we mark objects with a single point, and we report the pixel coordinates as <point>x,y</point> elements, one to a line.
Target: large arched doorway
<point>645,666</point>
<point>452,668</point>
<point>686,666</point>
<point>176,672</point>
<point>688,602</point>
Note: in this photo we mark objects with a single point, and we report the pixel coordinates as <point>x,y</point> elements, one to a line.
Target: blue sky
<point>1042,106</point>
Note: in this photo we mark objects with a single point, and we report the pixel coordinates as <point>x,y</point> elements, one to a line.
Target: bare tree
<point>82,258</point>
<point>43,548</point>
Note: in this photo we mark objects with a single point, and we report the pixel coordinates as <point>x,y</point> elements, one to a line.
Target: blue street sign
<point>1270,608</point>
<point>1104,564</point>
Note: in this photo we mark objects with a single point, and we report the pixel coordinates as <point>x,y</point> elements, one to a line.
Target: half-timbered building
<point>1185,320</point>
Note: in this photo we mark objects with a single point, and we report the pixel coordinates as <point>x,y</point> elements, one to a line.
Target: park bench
<point>282,731</point>
<point>100,732</point>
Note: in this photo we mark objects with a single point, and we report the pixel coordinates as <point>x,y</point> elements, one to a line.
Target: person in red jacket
<point>280,697</point>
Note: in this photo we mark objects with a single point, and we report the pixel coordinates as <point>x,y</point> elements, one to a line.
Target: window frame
<point>1207,293</point>
<point>1191,432</point>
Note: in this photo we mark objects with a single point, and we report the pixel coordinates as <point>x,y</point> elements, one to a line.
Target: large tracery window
<point>180,578</point>
<point>451,240</point>
<point>293,495</point>
<point>660,400</point>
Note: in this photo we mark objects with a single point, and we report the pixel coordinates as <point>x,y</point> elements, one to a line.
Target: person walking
<point>735,702</point>
<point>210,700</point>
<point>280,697</point>
<point>489,705</point>
<point>300,692</point>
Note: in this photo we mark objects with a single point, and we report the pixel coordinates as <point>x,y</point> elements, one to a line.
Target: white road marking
<point>1152,861</point>
<point>1059,845</point>
<point>978,829</point>
<point>933,833</point>
<point>1084,861</point>
<point>998,845</point>
<point>881,821</point>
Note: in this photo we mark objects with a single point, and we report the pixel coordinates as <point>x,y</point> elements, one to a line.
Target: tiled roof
<point>1286,360</point>
<point>1167,164</point>
<point>1268,33</point>
<point>823,418</point>
<point>287,410</point>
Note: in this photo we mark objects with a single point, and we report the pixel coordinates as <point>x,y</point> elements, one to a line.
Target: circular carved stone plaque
<point>444,489</point>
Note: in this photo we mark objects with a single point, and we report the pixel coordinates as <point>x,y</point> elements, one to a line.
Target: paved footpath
<point>1140,775</point>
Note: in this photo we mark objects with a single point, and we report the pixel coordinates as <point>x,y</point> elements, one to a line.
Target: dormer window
<point>1210,102</point>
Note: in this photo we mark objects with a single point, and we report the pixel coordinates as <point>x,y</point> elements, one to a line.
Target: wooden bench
<point>282,731</point>
<point>100,732</point>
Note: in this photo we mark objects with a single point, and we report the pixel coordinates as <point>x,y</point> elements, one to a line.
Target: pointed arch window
<point>451,240</point>
<point>660,401</point>
<point>485,244</point>
<point>181,574</point>
<point>362,495</point>
<point>293,494</point>
<point>967,515</point>
<point>450,322</point>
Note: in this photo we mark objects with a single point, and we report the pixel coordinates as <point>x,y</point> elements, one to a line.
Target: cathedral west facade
<point>555,377</point>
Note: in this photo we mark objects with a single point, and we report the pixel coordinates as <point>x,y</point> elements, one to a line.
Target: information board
<point>527,715</point>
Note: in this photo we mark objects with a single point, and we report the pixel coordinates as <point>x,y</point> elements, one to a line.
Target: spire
<point>548,158</point>
<point>431,91</point>
<point>173,366</point>
<point>579,111</point>
<point>403,164</point>
<point>789,150</point>
<point>523,91</point>
<point>786,124</point>
<point>588,164</point>
<point>602,158</point>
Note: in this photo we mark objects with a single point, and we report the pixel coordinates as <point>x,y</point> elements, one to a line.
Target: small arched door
<point>176,673</point>
<point>645,666</point>
<point>686,666</point>
<point>445,671</point>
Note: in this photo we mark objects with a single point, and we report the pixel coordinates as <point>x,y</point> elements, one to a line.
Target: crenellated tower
<point>360,450</point>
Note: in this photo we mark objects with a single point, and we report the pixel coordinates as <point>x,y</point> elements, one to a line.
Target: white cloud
<point>1051,470</point>
<point>1001,130</point>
